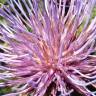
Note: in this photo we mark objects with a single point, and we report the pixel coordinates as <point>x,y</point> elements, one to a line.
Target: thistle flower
<point>44,49</point>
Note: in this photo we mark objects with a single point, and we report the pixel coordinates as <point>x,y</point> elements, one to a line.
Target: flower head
<point>44,48</point>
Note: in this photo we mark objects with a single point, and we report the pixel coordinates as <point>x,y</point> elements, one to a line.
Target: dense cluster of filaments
<point>48,47</point>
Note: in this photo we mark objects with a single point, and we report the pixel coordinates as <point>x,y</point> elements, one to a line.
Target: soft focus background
<point>2,1</point>
<point>7,90</point>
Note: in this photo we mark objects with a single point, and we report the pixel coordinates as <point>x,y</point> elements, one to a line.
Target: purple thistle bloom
<point>43,47</point>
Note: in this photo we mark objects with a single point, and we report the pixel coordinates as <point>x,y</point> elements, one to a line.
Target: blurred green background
<point>7,90</point>
<point>2,1</point>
